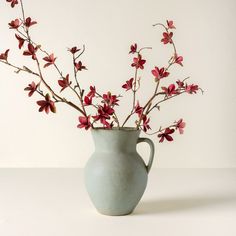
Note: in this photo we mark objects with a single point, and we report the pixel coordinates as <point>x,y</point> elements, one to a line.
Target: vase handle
<point>152,151</point>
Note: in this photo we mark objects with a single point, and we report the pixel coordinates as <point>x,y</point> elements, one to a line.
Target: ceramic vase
<point>116,175</point>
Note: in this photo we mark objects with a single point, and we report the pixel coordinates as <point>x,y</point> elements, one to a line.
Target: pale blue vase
<point>116,175</point>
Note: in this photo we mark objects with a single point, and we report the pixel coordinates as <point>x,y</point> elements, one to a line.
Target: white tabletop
<point>54,202</point>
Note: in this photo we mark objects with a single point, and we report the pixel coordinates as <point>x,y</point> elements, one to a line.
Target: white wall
<point>205,36</point>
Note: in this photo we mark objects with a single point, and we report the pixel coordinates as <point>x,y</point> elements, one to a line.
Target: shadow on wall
<point>155,206</point>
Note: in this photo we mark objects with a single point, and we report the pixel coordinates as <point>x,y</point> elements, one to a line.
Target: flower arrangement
<point>104,104</point>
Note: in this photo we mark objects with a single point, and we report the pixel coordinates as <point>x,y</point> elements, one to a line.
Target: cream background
<point>205,36</point>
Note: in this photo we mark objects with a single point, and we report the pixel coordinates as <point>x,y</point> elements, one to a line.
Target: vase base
<point>115,214</point>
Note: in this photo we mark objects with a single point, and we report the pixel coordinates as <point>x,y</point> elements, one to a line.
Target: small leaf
<point>18,71</point>
<point>27,69</point>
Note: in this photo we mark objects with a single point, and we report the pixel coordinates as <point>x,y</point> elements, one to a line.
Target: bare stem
<point>83,50</point>
<point>161,130</point>
<point>80,95</point>
<point>116,120</point>
<point>23,15</point>
<point>19,69</point>
<point>165,99</point>
<point>134,89</point>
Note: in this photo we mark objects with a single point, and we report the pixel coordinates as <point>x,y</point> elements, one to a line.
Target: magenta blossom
<point>47,105</point>
<point>138,62</point>
<point>178,59</point>
<point>166,135</point>
<point>84,122</point>
<point>110,99</point>
<point>73,50</point>
<point>28,22</point>
<point>4,56</point>
<point>88,100</point>
<point>193,88</point>
<point>15,24</point>
<point>20,40</point>
<point>159,73</point>
<point>92,91</point>
<point>145,123</point>
<point>104,113</point>
<point>31,88</point>
<point>133,48</point>
<point>128,85</point>
<point>170,90</point>
<point>138,109</point>
<point>79,66</point>
<point>50,60</point>
<point>31,51</point>
<point>180,83</point>
<point>65,82</point>
<point>170,24</point>
<point>167,37</point>
<point>13,2</point>
<point>180,125</point>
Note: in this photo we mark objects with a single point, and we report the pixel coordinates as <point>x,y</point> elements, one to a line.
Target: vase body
<point>116,175</point>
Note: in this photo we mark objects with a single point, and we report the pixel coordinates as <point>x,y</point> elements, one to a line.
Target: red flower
<point>31,88</point>
<point>180,125</point>
<point>170,24</point>
<point>64,83</point>
<point>133,48</point>
<point>138,62</point>
<point>193,88</point>
<point>21,41</point>
<point>92,91</point>
<point>31,51</point>
<point>28,22</point>
<point>47,105</point>
<point>178,59</point>
<point>145,123</point>
<point>167,37</point>
<point>166,135</point>
<point>104,114</point>
<point>13,2</point>
<point>73,50</point>
<point>50,59</point>
<point>4,56</point>
<point>79,66</point>
<point>110,99</point>
<point>138,109</point>
<point>180,83</point>
<point>159,73</point>
<point>107,110</point>
<point>128,85</point>
<point>14,24</point>
<point>170,90</point>
<point>88,100</point>
<point>84,122</point>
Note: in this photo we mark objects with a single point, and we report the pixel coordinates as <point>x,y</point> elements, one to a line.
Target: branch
<point>19,69</point>
<point>165,99</point>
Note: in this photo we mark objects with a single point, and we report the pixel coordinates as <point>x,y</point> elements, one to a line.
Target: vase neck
<point>115,140</point>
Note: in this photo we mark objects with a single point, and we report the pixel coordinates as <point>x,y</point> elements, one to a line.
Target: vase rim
<point>128,129</point>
